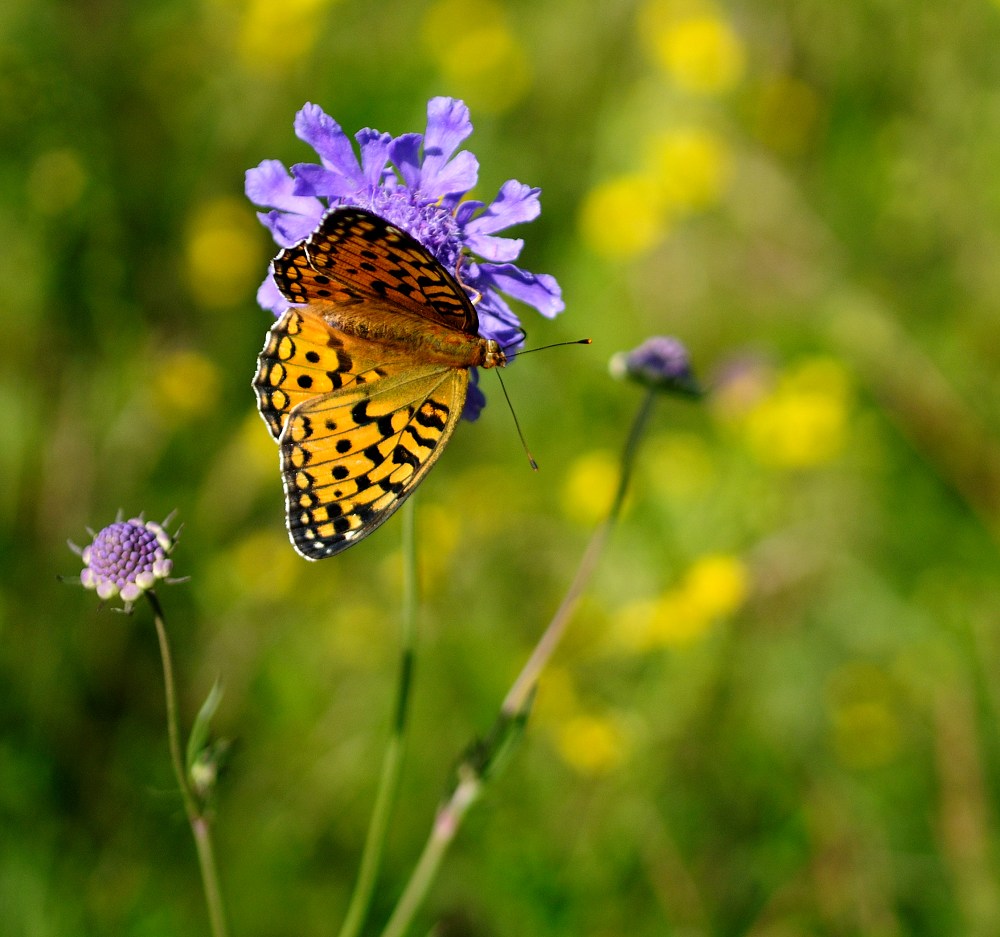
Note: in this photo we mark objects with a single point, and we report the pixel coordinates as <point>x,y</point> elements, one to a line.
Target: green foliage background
<point>817,753</point>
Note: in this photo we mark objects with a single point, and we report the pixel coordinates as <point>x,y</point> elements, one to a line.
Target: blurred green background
<point>776,712</point>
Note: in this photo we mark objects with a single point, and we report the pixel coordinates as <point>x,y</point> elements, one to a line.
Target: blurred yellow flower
<point>484,62</point>
<point>623,216</point>
<point>692,166</point>
<point>224,262</point>
<point>184,385</point>
<point>591,744</point>
<point>700,52</point>
<point>590,486</point>
<point>716,584</point>
<point>557,695</point>
<point>677,620</point>
<point>298,21</point>
<point>803,422</point>
<point>262,566</point>
<point>713,587</point>
<point>677,465</point>
<point>439,535</point>
<point>254,451</point>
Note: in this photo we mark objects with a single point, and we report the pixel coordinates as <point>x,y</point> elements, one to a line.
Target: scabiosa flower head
<point>418,182</point>
<point>126,558</point>
<point>660,362</point>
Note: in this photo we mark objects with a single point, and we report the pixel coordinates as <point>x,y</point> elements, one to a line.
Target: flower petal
<point>536,289</point>
<point>404,152</point>
<point>313,179</point>
<point>327,138</point>
<point>515,203</point>
<point>475,399</point>
<point>269,184</point>
<point>448,124</point>
<point>499,322</point>
<point>269,297</point>
<point>499,250</point>
<point>374,155</point>
<point>288,229</point>
<point>455,179</point>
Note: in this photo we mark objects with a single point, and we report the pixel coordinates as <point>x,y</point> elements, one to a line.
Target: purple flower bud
<point>126,558</point>
<point>660,362</point>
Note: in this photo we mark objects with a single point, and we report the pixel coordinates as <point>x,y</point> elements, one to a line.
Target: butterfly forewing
<point>349,459</point>
<point>354,255</point>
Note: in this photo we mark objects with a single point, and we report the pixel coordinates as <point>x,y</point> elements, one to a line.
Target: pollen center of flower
<point>424,218</point>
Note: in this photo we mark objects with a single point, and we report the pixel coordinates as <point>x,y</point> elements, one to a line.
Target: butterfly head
<point>493,355</point>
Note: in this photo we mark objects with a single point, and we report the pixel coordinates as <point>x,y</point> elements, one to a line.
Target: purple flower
<point>126,558</point>
<point>418,182</point>
<point>660,362</point>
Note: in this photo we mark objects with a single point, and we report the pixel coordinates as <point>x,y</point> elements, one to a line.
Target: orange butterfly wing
<point>364,382</point>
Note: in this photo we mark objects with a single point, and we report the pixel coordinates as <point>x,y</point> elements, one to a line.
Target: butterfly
<point>363,378</point>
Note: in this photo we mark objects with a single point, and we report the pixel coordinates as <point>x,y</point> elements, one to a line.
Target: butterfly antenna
<point>527,351</point>
<point>517,424</point>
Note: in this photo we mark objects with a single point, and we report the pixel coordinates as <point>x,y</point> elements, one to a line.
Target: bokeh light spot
<point>623,216</point>
<point>484,62</point>
<point>223,253</point>
<point>590,486</point>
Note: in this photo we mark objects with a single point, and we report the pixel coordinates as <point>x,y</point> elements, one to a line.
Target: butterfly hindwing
<point>350,458</point>
<point>355,256</point>
<point>304,357</point>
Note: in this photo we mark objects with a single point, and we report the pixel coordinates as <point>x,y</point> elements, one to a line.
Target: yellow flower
<point>692,166</point>
<point>591,744</point>
<point>623,217</point>
<point>701,53</point>
<point>590,486</point>
<point>678,465</point>
<point>483,63</point>
<point>297,22</point>
<point>224,260</point>
<point>261,566</point>
<point>677,620</point>
<point>716,584</point>
<point>713,587</point>
<point>803,423</point>
<point>185,385</point>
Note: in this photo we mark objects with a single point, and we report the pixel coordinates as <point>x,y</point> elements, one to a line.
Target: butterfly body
<point>363,379</point>
<point>425,340</point>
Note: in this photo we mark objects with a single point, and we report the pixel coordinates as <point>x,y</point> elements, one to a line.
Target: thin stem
<point>520,692</point>
<point>200,827</point>
<point>446,824</point>
<point>472,772</point>
<point>392,761</point>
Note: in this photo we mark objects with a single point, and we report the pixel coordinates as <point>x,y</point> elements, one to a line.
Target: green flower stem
<point>477,766</point>
<point>392,761</point>
<point>520,693</point>
<point>200,826</point>
<point>446,825</point>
